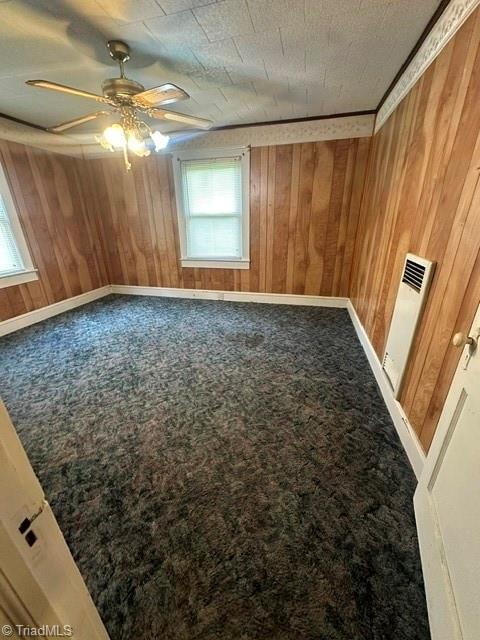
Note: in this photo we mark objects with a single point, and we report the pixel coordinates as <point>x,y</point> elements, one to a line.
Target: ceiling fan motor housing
<point>118,50</point>
<point>123,87</point>
<point>120,87</point>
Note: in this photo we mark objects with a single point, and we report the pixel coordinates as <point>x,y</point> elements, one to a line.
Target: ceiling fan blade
<point>163,94</point>
<point>76,121</point>
<point>45,84</point>
<point>174,116</point>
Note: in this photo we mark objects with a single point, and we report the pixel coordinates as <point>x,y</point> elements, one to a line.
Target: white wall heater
<point>414,284</point>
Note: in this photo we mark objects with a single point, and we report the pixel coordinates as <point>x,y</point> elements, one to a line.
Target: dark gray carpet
<point>220,471</point>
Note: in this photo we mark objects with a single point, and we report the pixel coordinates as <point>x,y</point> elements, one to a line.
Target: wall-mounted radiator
<point>414,284</point>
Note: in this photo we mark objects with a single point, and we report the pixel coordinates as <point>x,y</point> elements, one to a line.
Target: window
<point>212,189</point>
<point>15,262</point>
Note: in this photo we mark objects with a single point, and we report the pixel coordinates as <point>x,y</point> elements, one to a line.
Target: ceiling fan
<point>127,97</point>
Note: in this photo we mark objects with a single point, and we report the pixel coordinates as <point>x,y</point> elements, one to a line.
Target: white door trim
<point>48,585</point>
<point>445,618</point>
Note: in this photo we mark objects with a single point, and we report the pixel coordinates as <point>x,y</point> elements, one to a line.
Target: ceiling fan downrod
<point>120,52</point>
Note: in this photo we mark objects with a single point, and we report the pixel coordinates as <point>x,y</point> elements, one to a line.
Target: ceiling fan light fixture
<point>132,135</point>
<point>160,140</point>
<point>137,145</point>
<point>127,97</point>
<point>115,136</point>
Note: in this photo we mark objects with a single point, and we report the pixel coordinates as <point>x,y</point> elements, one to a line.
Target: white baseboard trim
<point>405,431</point>
<point>32,317</point>
<point>233,296</point>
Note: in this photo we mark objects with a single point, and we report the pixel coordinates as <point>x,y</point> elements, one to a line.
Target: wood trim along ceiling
<point>455,13</point>
<point>425,33</point>
<point>288,133</point>
<point>349,114</point>
<point>24,122</point>
<point>357,126</point>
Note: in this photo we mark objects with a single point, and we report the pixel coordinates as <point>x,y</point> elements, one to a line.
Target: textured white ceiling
<point>240,60</point>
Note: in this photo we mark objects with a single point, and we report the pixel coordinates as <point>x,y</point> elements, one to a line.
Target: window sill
<point>20,277</point>
<point>215,264</point>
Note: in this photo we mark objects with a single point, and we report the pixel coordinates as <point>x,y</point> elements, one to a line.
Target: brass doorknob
<point>460,340</point>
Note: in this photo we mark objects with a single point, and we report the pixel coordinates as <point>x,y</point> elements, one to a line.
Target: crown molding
<point>334,128</point>
<point>242,125</point>
<point>455,14</point>
<point>285,133</point>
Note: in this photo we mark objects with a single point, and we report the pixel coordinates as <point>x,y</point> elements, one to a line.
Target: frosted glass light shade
<point>115,135</point>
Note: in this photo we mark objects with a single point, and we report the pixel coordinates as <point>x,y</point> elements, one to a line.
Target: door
<point>447,504</point>
<point>40,583</point>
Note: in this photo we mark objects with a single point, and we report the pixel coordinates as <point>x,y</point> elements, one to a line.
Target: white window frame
<point>28,273</point>
<point>205,154</point>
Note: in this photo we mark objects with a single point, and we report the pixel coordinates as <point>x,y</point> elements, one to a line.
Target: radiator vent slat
<point>415,266</point>
<point>414,284</point>
<point>413,274</point>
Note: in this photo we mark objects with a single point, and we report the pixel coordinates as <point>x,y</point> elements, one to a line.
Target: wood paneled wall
<point>422,195</point>
<point>60,230</point>
<point>304,207</point>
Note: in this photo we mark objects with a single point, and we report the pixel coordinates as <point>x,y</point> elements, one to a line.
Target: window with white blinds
<point>15,262</point>
<point>213,212</point>
<point>10,258</point>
